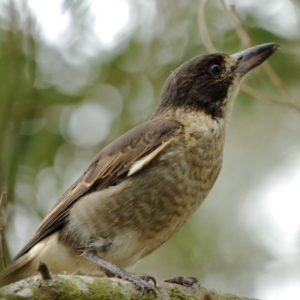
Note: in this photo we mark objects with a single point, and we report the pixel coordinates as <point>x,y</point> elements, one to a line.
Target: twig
<point>44,271</point>
<point>269,71</point>
<point>2,235</point>
<point>277,81</point>
<point>209,46</point>
<point>237,22</point>
<point>253,92</point>
<point>247,42</point>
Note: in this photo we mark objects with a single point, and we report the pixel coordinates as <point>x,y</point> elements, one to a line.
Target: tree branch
<point>88,288</point>
<point>2,234</point>
<point>246,40</point>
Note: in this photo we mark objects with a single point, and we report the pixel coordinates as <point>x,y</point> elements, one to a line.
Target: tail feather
<point>26,265</point>
<point>16,270</point>
<point>58,256</point>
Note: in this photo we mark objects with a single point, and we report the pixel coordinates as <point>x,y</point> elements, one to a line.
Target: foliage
<point>51,94</point>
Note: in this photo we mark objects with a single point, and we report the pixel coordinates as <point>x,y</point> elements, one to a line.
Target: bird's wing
<point>123,157</point>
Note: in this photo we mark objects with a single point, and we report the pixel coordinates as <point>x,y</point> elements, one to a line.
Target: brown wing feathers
<point>109,166</point>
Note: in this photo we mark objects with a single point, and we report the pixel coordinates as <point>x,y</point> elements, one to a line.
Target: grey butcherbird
<point>145,185</point>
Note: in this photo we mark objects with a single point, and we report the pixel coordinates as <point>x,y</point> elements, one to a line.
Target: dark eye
<point>215,69</point>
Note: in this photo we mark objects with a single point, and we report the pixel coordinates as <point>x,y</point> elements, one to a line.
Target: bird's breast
<point>194,164</point>
<point>175,185</point>
<point>130,220</point>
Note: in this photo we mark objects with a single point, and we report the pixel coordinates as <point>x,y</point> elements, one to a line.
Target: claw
<point>142,288</point>
<point>148,278</point>
<point>185,281</point>
<point>139,281</point>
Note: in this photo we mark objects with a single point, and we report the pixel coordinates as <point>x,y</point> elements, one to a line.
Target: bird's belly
<point>124,223</point>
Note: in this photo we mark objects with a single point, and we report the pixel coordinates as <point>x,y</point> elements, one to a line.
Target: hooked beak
<point>253,57</point>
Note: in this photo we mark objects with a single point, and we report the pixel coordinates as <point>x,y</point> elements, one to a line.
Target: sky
<point>111,18</point>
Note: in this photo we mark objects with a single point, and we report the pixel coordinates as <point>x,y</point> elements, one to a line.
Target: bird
<point>144,186</point>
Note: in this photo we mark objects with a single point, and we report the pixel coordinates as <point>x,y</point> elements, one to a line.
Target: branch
<point>203,27</point>
<point>247,42</point>
<point>88,288</point>
<point>2,234</point>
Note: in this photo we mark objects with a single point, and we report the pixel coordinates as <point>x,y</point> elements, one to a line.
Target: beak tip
<point>252,57</point>
<point>275,46</point>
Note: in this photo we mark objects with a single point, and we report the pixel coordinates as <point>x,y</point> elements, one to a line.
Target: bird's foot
<point>139,281</point>
<point>185,281</point>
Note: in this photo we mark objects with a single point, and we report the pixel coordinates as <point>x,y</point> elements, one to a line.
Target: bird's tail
<point>16,270</point>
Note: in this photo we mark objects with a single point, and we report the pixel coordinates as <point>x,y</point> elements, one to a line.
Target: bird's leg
<point>139,281</point>
<point>185,281</point>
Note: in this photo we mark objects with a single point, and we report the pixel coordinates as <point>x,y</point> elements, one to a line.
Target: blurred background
<point>74,75</point>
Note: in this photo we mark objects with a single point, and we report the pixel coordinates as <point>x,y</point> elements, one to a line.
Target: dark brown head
<point>210,82</point>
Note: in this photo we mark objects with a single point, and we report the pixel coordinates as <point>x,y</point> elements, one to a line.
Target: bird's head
<point>209,83</point>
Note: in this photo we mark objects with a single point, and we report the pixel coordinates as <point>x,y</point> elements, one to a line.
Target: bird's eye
<point>215,69</point>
